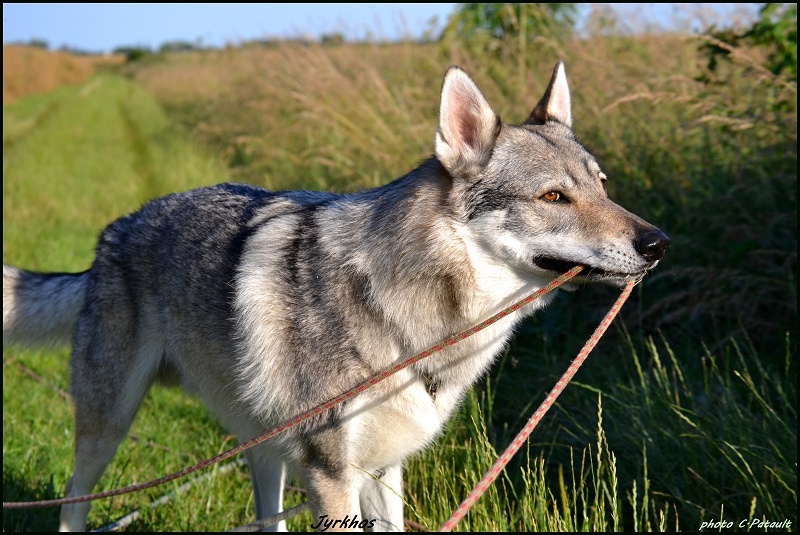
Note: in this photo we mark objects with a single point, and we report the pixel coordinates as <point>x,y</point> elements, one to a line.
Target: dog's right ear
<point>468,126</point>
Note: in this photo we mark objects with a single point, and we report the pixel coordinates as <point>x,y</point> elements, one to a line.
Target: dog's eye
<point>553,196</point>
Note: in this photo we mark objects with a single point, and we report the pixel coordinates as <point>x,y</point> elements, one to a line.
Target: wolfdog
<point>265,304</point>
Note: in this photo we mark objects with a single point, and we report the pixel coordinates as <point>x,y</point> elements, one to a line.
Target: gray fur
<point>266,303</point>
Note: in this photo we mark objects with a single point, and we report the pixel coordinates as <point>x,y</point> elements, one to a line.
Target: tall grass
<point>306,117</point>
<point>710,156</point>
<point>686,413</point>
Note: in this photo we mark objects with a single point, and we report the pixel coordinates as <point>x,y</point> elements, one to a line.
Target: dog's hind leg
<point>114,363</point>
<point>93,453</point>
<point>382,500</point>
<point>268,477</point>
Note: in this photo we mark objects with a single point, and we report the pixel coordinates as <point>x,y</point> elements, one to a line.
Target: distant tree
<point>38,43</point>
<point>77,51</point>
<point>260,43</point>
<point>504,21</point>
<point>133,53</point>
<point>332,39</point>
<point>177,46</point>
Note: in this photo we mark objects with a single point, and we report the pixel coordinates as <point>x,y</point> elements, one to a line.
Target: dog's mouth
<point>589,273</point>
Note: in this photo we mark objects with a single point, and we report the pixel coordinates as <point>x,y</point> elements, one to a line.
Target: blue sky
<point>102,27</point>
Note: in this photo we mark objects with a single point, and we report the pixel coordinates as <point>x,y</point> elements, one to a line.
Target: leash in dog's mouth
<point>591,273</point>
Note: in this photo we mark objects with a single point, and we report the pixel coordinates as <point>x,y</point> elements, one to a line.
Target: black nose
<point>652,244</point>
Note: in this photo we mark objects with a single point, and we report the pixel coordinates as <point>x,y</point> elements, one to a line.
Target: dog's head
<point>532,196</point>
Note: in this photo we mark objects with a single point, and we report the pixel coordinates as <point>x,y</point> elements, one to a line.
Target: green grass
<point>75,160</point>
<point>685,413</point>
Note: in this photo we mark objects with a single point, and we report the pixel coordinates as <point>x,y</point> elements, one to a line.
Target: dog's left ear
<point>468,126</point>
<point>555,104</point>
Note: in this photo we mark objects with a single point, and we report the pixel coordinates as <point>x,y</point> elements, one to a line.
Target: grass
<point>685,413</point>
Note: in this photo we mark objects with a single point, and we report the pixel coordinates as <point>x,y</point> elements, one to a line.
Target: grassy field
<point>686,412</point>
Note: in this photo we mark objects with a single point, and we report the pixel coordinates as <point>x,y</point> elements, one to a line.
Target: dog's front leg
<point>334,499</point>
<point>268,475</point>
<point>382,500</point>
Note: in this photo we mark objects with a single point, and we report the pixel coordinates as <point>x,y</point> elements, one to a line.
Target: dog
<point>265,304</point>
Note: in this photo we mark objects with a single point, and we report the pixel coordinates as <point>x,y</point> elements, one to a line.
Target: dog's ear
<point>555,104</point>
<point>468,126</point>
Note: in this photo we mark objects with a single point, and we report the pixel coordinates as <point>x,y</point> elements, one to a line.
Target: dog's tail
<point>41,308</point>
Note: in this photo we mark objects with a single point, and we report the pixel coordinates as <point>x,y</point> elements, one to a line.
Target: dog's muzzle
<point>651,244</point>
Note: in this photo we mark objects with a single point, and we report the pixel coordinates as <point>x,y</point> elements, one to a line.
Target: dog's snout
<point>652,245</point>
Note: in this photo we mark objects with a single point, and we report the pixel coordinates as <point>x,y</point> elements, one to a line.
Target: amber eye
<point>553,196</point>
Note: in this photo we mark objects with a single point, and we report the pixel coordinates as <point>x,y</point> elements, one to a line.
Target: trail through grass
<point>76,159</point>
